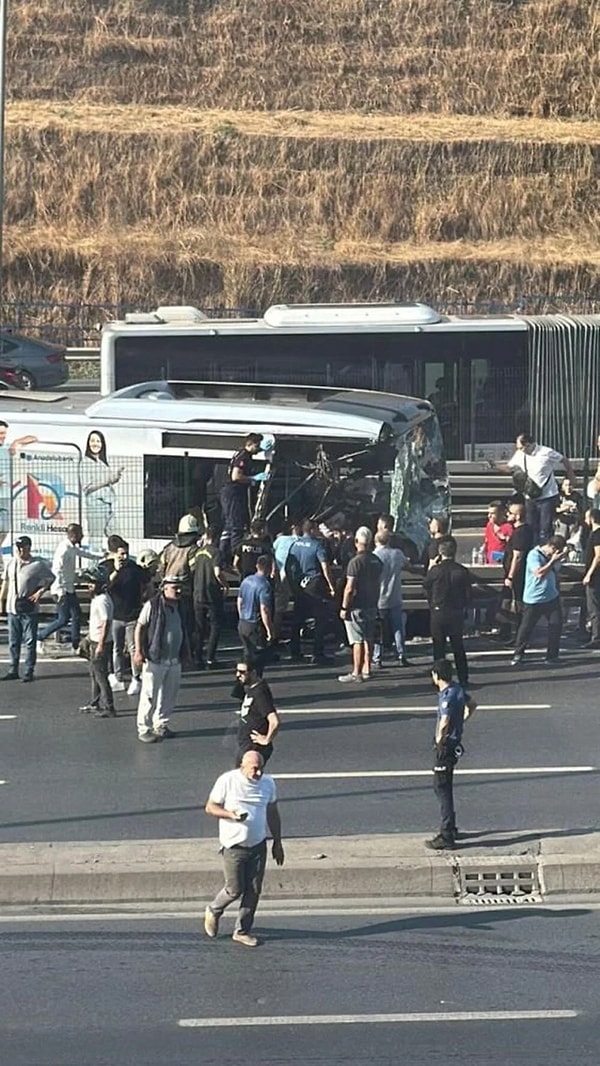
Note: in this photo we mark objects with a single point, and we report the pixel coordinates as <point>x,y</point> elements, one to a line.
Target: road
<point>110,990</point>
<point>351,761</point>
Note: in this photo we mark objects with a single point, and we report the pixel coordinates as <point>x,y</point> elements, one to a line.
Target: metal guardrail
<point>82,355</point>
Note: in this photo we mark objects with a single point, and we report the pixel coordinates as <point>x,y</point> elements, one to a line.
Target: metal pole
<point>3,14</point>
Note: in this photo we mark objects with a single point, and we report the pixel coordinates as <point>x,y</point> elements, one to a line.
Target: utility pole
<point>3,19</point>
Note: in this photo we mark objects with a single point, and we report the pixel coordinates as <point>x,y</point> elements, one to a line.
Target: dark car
<point>37,364</point>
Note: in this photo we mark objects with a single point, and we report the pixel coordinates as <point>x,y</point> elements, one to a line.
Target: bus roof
<point>237,408</point>
<point>311,318</point>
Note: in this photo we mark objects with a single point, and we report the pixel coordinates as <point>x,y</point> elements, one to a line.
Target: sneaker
<point>403,661</point>
<point>105,712</point>
<point>516,660</point>
<point>376,664</point>
<point>134,687</point>
<point>246,939</point>
<point>552,662</point>
<point>27,679</point>
<point>440,843</point>
<point>88,708</point>
<point>211,923</point>
<point>214,664</point>
<point>366,676</point>
<point>115,684</point>
<point>147,738</point>
<point>164,733</point>
<point>11,676</point>
<point>348,678</point>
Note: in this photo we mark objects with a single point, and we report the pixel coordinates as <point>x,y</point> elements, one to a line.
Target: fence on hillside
<point>77,324</point>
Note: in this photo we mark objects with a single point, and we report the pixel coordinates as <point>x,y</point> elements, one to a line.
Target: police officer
<point>454,707</point>
<point>313,590</point>
<point>448,588</point>
<point>234,494</point>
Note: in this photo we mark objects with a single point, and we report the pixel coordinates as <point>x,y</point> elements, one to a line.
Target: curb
<point>390,866</point>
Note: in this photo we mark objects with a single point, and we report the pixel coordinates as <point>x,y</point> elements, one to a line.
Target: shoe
<point>135,686</point>
<point>376,665</point>
<point>246,939</point>
<point>213,664</point>
<point>297,658</point>
<point>516,660</point>
<point>10,676</point>
<point>88,708</point>
<point>115,684</point>
<point>211,923</point>
<point>147,738</point>
<point>105,712</point>
<point>592,644</point>
<point>27,679</point>
<point>164,733</point>
<point>366,676</point>
<point>440,843</point>
<point>403,661</point>
<point>552,662</point>
<point>346,678</point>
<point>320,660</point>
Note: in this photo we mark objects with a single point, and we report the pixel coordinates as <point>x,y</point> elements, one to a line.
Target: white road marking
<point>416,707</point>
<point>334,774</point>
<point>381,1019</point>
<point>7,717</point>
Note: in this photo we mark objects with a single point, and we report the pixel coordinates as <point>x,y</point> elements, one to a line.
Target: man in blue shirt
<point>541,598</point>
<point>255,611</point>
<point>454,707</point>
<point>312,587</point>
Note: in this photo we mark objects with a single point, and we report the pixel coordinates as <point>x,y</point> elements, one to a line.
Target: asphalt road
<point>71,777</point>
<point>99,992</point>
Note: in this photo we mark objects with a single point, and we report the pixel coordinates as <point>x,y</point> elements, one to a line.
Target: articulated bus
<point>134,462</point>
<point>489,377</point>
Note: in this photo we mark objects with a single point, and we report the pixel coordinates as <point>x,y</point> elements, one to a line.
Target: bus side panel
<point>45,494</point>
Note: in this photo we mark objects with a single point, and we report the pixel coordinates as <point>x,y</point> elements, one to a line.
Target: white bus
<point>474,369</point>
<point>134,462</point>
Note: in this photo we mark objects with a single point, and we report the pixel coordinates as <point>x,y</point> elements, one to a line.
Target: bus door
<point>46,494</point>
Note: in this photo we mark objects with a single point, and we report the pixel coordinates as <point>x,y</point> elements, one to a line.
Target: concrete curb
<point>394,865</point>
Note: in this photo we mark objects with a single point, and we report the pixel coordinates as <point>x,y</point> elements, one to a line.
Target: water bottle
<point>475,556</point>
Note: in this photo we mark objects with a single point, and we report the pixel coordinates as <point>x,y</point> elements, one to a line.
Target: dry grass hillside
<point>246,151</point>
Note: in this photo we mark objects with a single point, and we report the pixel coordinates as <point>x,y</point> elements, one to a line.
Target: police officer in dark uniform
<point>234,494</point>
<point>309,574</point>
<point>454,707</point>
<point>448,588</point>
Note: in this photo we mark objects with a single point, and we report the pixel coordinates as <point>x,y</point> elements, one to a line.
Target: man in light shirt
<point>26,578</point>
<point>64,567</point>
<point>536,464</point>
<point>245,802</point>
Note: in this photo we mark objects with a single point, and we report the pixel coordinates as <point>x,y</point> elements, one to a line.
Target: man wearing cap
<point>160,642</point>
<point>25,580</point>
<point>234,494</point>
<point>359,605</point>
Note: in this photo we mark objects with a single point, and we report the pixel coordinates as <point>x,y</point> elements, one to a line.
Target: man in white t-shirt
<point>539,464</point>
<point>245,802</point>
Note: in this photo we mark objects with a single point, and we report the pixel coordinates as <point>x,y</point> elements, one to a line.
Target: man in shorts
<point>359,605</point>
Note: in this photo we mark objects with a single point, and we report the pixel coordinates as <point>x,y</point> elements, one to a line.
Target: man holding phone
<point>245,802</point>
<point>541,598</point>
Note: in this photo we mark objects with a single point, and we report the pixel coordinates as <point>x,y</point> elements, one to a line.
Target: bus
<point>134,462</point>
<point>489,377</point>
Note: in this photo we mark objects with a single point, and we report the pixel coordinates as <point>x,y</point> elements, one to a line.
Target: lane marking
<point>380,1019</point>
<point>7,717</point>
<point>416,707</point>
<point>335,774</point>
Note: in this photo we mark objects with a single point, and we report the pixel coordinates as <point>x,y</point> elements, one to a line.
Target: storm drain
<point>497,884</point>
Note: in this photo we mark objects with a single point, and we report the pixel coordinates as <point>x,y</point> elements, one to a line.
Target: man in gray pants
<point>159,646</point>
<point>245,802</point>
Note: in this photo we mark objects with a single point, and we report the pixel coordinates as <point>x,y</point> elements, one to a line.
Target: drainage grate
<point>495,884</point>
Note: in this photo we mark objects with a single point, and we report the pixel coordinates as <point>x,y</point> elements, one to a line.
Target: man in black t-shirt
<point>209,588</point>
<point>591,578</point>
<point>251,548</point>
<point>518,546</point>
<point>359,605</point>
<point>259,720</point>
<point>127,587</point>
<point>438,529</point>
<point>234,494</point>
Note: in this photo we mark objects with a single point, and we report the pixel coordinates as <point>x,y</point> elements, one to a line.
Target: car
<point>10,377</point>
<point>37,364</point>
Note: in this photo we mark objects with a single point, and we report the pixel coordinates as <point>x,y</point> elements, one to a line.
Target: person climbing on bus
<point>234,494</point>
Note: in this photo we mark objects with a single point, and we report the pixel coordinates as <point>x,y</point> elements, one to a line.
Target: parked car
<point>10,377</point>
<point>37,364</point>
